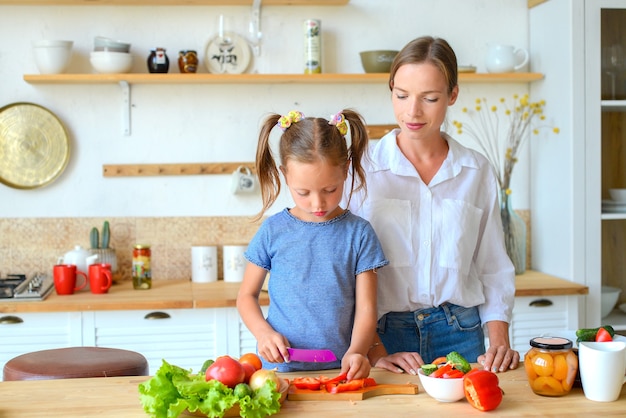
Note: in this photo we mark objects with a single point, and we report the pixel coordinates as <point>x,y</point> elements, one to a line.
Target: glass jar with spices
<point>142,274</point>
<point>551,366</point>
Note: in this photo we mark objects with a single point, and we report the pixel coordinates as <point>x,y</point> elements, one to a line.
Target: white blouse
<point>444,240</point>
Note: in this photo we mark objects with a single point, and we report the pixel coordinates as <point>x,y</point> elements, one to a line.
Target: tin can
<point>312,46</point>
<point>142,275</point>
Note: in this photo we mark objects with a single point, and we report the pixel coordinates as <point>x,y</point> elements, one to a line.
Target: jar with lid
<point>551,366</point>
<point>142,274</point>
<point>158,62</point>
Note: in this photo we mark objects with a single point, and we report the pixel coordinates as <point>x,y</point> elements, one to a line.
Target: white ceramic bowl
<point>52,56</point>
<point>609,299</point>
<point>443,390</point>
<point>109,62</point>
<point>101,43</point>
<point>618,195</point>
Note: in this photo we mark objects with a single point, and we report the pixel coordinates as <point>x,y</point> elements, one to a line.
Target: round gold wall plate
<point>34,146</point>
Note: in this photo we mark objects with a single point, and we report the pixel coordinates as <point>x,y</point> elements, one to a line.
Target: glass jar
<point>551,366</point>
<point>142,275</point>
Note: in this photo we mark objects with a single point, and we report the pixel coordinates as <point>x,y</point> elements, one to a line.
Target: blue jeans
<point>434,332</point>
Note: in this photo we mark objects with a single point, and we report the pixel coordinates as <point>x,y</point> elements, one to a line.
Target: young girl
<point>321,257</point>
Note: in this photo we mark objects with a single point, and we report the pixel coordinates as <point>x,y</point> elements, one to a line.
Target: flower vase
<point>514,233</point>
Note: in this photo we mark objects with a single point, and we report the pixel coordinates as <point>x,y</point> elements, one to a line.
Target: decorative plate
<point>230,54</point>
<point>34,146</point>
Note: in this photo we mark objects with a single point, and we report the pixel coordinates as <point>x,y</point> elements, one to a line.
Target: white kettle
<point>80,257</point>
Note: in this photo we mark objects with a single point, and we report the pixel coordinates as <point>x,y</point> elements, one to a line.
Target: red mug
<point>100,277</point>
<point>65,278</point>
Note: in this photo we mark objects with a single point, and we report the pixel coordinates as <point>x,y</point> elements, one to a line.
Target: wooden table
<point>117,397</point>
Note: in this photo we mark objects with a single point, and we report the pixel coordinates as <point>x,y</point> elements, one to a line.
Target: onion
<point>261,376</point>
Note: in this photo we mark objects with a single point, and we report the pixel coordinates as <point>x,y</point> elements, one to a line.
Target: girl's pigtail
<point>267,172</point>
<point>359,143</point>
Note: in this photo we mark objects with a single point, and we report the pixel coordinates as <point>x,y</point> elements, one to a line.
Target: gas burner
<point>19,287</point>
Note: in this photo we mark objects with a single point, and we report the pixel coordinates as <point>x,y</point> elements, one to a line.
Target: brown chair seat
<point>75,362</point>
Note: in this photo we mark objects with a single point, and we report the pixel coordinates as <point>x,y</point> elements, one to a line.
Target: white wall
<point>212,123</point>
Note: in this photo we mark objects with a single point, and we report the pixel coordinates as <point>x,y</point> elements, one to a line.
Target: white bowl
<point>443,390</point>
<point>101,43</point>
<point>609,299</point>
<point>618,195</point>
<point>52,56</point>
<point>109,62</point>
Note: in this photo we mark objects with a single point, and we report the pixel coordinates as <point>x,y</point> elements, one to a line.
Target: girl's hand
<point>272,346</point>
<point>357,366</point>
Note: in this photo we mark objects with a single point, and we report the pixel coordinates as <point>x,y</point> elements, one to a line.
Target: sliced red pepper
<point>325,380</point>
<point>440,371</point>
<point>310,383</point>
<point>354,384</point>
<point>482,390</point>
<point>453,374</point>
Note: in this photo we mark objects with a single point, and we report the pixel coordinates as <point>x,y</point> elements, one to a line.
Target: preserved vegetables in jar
<point>142,275</point>
<point>551,366</point>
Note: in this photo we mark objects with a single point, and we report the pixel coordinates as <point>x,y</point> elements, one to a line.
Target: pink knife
<point>311,356</point>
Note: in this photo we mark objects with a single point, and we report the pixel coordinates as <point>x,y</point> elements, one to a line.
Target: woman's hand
<point>401,362</point>
<point>357,366</point>
<point>499,359</point>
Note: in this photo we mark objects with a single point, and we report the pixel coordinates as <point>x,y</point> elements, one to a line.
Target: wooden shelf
<point>176,78</point>
<point>172,2</point>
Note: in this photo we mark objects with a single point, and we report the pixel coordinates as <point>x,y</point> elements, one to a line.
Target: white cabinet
<point>534,316</point>
<point>184,337</point>
<point>571,175</point>
<point>26,332</point>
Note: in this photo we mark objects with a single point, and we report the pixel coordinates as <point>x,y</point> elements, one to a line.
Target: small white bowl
<point>52,56</point>
<point>618,195</point>
<point>443,390</point>
<point>102,43</point>
<point>109,62</point>
<point>609,299</point>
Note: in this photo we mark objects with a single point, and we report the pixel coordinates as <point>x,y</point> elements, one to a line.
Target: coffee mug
<point>100,277</point>
<point>243,181</point>
<point>602,367</point>
<point>505,58</point>
<point>64,276</point>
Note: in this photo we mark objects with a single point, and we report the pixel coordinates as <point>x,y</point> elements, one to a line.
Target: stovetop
<point>20,287</point>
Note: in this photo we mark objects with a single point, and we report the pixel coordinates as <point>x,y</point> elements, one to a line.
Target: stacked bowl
<point>110,56</point>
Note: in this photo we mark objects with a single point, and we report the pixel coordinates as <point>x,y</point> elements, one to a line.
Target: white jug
<point>505,58</point>
<point>80,257</point>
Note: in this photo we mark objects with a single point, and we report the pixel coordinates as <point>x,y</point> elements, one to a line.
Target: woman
<point>434,205</point>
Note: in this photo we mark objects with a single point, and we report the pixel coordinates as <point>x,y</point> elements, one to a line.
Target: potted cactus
<point>100,245</point>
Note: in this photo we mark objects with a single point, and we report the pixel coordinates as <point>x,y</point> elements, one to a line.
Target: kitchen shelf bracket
<point>125,107</point>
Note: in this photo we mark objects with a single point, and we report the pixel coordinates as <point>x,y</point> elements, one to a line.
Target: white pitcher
<point>505,58</point>
<point>80,257</point>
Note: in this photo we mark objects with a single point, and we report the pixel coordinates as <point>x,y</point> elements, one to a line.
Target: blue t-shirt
<point>313,268</point>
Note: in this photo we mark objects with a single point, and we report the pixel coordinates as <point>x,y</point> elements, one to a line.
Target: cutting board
<point>296,394</point>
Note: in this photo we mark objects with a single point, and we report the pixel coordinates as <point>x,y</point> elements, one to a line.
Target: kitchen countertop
<point>181,294</point>
<point>119,397</point>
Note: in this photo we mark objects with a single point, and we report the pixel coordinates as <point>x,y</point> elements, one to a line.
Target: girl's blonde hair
<point>309,140</point>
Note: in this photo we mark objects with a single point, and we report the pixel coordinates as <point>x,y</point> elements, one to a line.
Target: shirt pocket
<point>459,234</point>
<point>391,219</point>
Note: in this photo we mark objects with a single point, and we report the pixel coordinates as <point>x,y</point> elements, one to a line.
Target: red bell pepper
<point>310,383</point>
<point>339,378</point>
<point>482,390</point>
<point>354,384</point>
<point>441,370</point>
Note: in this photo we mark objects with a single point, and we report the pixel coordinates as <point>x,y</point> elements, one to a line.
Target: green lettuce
<point>172,390</point>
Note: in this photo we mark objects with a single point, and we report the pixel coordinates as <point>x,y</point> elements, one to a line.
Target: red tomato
<point>227,370</point>
<point>249,369</point>
<point>482,390</point>
<point>603,335</point>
